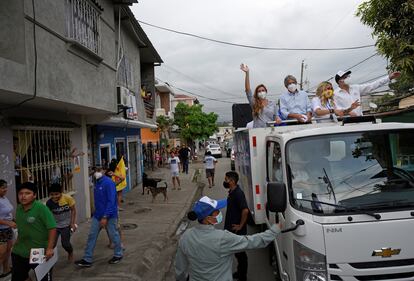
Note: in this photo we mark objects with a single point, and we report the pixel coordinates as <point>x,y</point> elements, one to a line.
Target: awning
<point>118,121</point>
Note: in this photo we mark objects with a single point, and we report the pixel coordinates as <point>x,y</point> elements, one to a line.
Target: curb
<point>152,254</point>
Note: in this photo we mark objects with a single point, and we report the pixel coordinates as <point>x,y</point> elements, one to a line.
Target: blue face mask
<point>219,218</point>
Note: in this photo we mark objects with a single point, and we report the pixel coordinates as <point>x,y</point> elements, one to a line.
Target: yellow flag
<point>120,174</point>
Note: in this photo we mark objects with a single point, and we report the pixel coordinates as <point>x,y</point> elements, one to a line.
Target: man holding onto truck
<point>206,253</point>
<point>236,219</point>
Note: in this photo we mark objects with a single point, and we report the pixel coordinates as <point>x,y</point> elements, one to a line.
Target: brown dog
<point>157,190</point>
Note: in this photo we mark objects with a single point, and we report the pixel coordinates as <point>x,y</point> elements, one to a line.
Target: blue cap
<point>206,206</point>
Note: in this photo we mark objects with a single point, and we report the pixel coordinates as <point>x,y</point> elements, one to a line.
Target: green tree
<point>164,125</point>
<point>194,124</point>
<point>392,22</point>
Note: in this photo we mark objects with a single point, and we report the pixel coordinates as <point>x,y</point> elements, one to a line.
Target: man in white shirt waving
<point>348,97</point>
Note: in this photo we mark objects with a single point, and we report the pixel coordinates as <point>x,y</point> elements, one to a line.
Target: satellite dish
<point>373,105</point>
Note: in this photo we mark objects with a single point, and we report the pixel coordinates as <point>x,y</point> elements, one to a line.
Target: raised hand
<point>395,75</point>
<point>244,67</point>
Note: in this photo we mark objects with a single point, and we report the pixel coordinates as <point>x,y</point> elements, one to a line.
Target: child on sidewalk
<point>174,161</point>
<point>210,164</point>
<point>64,210</point>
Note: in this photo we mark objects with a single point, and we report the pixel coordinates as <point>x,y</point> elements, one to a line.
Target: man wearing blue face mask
<point>206,253</point>
<point>295,104</point>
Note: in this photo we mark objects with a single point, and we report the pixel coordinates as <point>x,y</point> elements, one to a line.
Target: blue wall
<point>108,135</point>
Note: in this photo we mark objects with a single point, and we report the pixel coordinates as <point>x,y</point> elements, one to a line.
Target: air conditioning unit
<point>123,96</point>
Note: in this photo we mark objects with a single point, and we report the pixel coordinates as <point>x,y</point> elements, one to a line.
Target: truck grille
<point>363,265</point>
<point>370,271</point>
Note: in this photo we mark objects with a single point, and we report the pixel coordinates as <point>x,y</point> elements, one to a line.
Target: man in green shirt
<point>37,229</point>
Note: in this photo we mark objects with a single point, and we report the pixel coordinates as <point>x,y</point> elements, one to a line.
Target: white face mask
<point>219,218</point>
<point>98,175</point>
<point>292,87</point>
<point>261,95</point>
<point>347,80</point>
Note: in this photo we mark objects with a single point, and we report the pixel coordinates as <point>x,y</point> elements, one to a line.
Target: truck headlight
<point>310,265</point>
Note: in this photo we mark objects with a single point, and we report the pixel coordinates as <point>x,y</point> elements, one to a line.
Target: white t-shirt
<point>209,162</point>
<point>344,99</point>
<point>174,164</point>
<point>316,103</point>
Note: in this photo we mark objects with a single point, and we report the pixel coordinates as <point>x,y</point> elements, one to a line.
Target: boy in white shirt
<point>174,162</point>
<point>209,165</point>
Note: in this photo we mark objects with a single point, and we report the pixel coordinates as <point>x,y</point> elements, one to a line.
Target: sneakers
<point>83,263</point>
<point>115,260</point>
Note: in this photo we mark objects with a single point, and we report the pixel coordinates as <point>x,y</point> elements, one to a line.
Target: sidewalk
<point>148,235</point>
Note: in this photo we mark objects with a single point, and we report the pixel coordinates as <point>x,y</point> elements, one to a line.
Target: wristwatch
<point>331,111</point>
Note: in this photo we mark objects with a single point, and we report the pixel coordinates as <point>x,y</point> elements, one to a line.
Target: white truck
<point>344,192</point>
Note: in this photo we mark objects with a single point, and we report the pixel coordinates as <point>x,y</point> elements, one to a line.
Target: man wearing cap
<point>105,216</point>
<point>295,104</point>
<point>206,253</point>
<point>37,229</point>
<point>348,97</point>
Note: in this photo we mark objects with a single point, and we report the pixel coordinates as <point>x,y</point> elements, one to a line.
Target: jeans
<point>93,236</point>
<point>185,166</point>
<point>65,238</point>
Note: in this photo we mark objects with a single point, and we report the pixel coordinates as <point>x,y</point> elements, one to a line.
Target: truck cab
<point>345,191</point>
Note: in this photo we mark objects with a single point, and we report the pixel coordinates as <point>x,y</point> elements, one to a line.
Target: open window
<point>274,162</point>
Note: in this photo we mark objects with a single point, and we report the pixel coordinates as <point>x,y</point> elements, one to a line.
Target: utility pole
<point>301,75</point>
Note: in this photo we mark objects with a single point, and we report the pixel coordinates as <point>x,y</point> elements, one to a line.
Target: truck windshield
<point>351,173</point>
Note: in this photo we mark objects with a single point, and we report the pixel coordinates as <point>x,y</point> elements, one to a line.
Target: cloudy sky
<point>212,70</point>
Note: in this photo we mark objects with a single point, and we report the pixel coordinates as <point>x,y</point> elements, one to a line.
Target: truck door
<point>275,173</point>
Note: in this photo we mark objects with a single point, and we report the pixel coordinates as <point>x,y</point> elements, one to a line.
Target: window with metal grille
<point>43,156</point>
<point>126,73</point>
<point>82,23</point>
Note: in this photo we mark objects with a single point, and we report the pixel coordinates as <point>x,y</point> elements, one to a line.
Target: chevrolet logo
<point>386,252</point>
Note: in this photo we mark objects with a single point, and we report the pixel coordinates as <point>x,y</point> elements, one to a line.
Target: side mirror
<point>276,197</point>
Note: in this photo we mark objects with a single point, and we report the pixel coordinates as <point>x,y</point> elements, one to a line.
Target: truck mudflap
<point>381,250</point>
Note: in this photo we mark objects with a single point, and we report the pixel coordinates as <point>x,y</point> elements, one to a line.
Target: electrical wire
<point>349,68</point>
<point>35,66</point>
<point>194,94</point>
<point>200,83</point>
<point>256,47</point>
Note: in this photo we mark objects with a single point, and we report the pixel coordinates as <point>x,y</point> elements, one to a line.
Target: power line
<point>200,83</point>
<point>194,94</point>
<point>256,47</point>
<point>349,68</point>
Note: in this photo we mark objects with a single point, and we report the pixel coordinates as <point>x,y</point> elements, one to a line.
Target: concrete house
<point>62,65</point>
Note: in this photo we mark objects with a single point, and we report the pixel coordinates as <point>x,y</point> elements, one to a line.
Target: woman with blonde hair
<point>263,110</point>
<point>323,104</point>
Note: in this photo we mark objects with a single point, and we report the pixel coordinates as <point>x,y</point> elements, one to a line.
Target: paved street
<point>258,259</point>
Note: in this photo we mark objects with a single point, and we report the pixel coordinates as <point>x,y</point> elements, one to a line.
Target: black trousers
<point>241,266</point>
<point>65,238</point>
<point>21,267</point>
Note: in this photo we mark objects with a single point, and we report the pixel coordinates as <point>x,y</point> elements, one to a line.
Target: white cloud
<point>269,23</point>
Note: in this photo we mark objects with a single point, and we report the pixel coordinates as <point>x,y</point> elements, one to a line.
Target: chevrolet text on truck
<point>343,192</point>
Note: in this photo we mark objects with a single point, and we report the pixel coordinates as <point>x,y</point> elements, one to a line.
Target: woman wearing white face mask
<point>206,253</point>
<point>263,110</point>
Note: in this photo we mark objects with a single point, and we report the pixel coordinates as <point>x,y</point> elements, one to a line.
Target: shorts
<point>6,235</point>
<point>175,174</point>
<point>209,173</point>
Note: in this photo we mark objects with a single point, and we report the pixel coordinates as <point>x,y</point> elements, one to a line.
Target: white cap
<point>341,74</point>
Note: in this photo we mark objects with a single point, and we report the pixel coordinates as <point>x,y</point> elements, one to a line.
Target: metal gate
<point>133,161</point>
<point>43,156</point>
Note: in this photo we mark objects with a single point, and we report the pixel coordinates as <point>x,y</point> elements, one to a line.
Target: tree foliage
<point>392,22</point>
<point>164,125</point>
<point>194,123</point>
